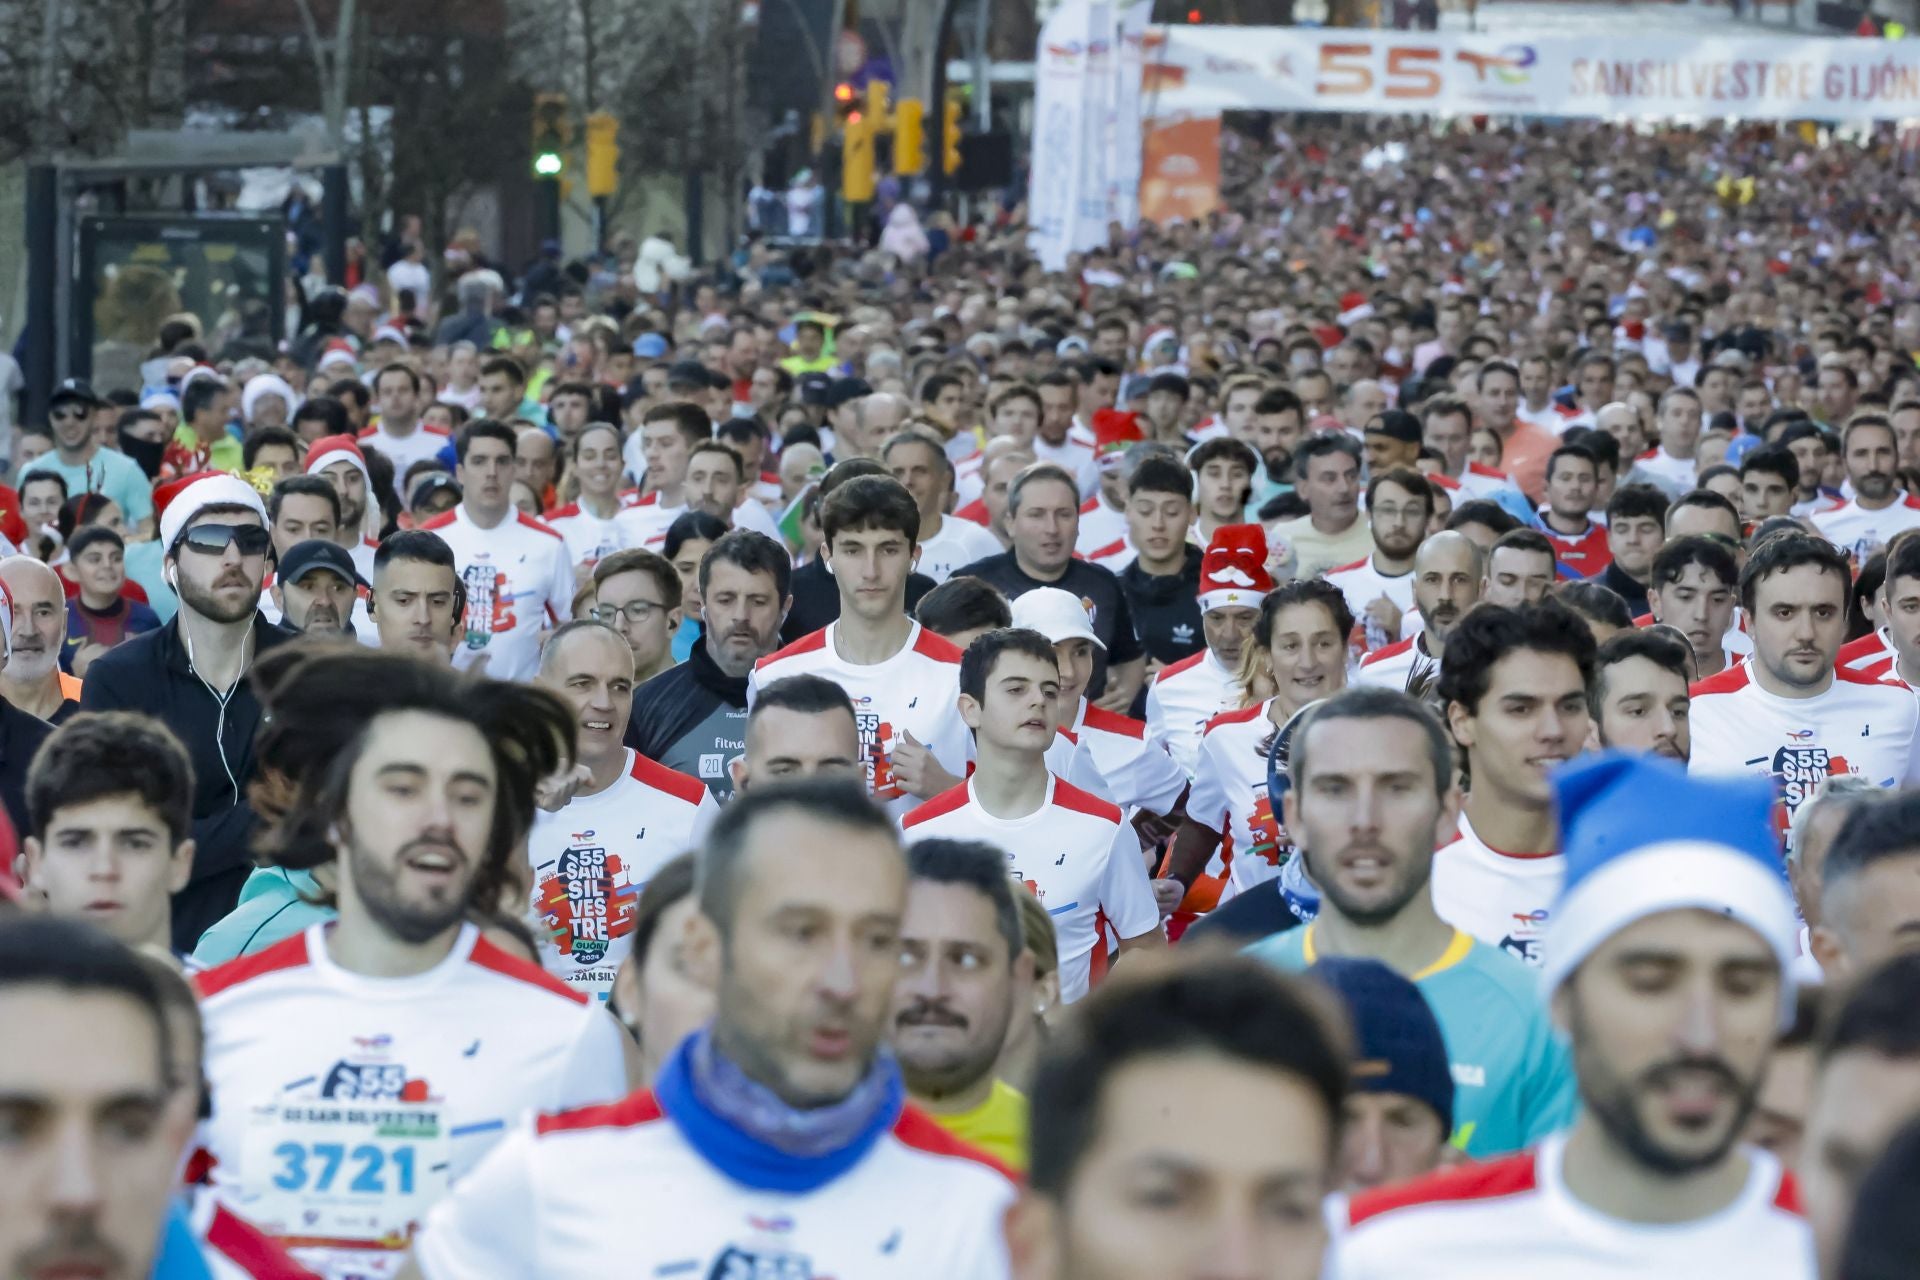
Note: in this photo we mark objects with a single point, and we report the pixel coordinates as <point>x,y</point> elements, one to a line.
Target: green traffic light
<point>548,164</point>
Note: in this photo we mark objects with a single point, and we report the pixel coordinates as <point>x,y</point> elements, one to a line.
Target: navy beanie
<point>1398,1046</point>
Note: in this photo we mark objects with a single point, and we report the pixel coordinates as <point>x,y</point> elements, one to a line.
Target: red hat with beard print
<point>1233,573</point>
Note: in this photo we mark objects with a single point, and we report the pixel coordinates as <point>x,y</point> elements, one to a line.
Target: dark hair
<point>573,448</point>
<point>73,956</point>
<point>963,604</point>
<point>1704,498</point>
<point>484,429</point>
<point>323,409</point>
<point>1875,830</point>
<point>1227,449</point>
<point>1774,460</point>
<point>1677,556</point>
<point>112,753</point>
<point>1883,1236</point>
<point>746,549</point>
<point>805,694</point>
<point>1902,560</point>
<point>504,364</point>
<point>640,560</point>
<point>1277,400</point>
<point>87,535</point>
<point>976,865</point>
<point>1637,502</point>
<point>1488,633</point>
<point>413,377</point>
<point>1501,366</point>
<point>1486,512</point>
<point>1579,452</point>
<point>688,418</point>
<point>1593,602</point>
<point>1656,647</point>
<point>1157,474</point>
<point>1531,541</point>
<point>741,430</point>
<point>835,802</point>
<point>302,487</point>
<point>1321,443</point>
<point>79,511</point>
<point>1779,552</point>
<point>1600,445</point>
<point>1303,591</point>
<point>691,526</point>
<point>1375,702</point>
<point>319,706</point>
<point>976,664</point>
<point>870,502</point>
<point>1405,478</point>
<point>198,394</point>
<point>711,445</point>
<point>46,476</point>
<point>1879,1014</point>
<point>350,389</point>
<point>1230,1007</point>
<point>421,545</point>
<point>262,438</point>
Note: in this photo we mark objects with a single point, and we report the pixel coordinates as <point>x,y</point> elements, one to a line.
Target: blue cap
<point>649,346</point>
<point>1641,837</point>
<point>1398,1047</point>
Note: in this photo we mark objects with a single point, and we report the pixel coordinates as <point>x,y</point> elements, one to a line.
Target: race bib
<point>326,1173</point>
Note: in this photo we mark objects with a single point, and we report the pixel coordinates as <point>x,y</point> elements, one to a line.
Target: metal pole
<point>982,67</point>
<point>937,109</point>
<point>43,284</point>
<point>333,221</point>
<point>546,209</point>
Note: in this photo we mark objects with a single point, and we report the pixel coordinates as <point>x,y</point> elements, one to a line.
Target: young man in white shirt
<point>1638,698</point>
<point>1379,589</point>
<point>1879,507</point>
<point>657,455</point>
<point>395,1036</point>
<point>339,461</point>
<point>1057,440</point>
<point>518,575</point>
<point>1447,572</point>
<point>399,434</point>
<point>1074,851</point>
<point>1788,714</point>
<point>716,483</point>
<point>1667,965</point>
<point>1899,661</point>
<point>904,680</point>
<point>1184,696</point>
<point>1670,465</point>
<point>775,1141</point>
<point>591,858</point>
<point>917,460</point>
<point>1515,691</point>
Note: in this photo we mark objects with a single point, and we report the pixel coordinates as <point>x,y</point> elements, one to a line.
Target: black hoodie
<point>692,717</point>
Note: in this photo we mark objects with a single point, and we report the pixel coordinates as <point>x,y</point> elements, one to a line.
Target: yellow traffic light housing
<point>950,136</point>
<point>552,134</point>
<point>857,161</point>
<point>603,154</point>
<point>910,137</point>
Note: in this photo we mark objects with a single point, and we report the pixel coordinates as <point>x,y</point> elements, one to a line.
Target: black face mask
<point>145,452</point>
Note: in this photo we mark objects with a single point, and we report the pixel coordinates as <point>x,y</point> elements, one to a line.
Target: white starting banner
<point>1195,70</point>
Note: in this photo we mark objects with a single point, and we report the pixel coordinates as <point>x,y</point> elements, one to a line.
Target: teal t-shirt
<point>1513,1080</point>
<point>144,567</point>
<point>274,905</point>
<point>113,474</point>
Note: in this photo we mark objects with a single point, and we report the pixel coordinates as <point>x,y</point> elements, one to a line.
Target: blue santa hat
<point>1640,836</point>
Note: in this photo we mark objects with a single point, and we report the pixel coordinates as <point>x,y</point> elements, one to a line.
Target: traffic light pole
<point>546,208</point>
<point>936,102</point>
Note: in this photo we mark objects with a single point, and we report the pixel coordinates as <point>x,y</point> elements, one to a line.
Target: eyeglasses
<point>638,613</point>
<point>214,539</point>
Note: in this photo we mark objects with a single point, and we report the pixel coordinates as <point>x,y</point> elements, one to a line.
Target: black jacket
<point>20,736</point>
<point>671,703</point>
<point>151,674</point>
<point>816,599</point>
<point>1626,588</point>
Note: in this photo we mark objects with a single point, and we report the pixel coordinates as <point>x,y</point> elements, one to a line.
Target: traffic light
<point>846,103</point>
<point>552,134</point>
<point>910,137</point>
<point>856,161</point>
<point>877,106</point>
<point>950,136</point>
<point>603,154</point>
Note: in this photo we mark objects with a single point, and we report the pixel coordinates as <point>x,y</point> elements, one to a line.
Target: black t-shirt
<point>1097,587</point>
<point>1166,609</point>
<point>816,599</point>
<point>1245,918</point>
<point>1626,588</point>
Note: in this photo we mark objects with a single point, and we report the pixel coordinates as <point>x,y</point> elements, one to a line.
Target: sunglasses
<point>214,539</point>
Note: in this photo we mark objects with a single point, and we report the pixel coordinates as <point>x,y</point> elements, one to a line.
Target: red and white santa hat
<point>1114,433</point>
<point>328,450</point>
<point>1233,573</point>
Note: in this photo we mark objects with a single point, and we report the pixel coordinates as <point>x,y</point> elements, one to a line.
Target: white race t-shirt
<point>1503,899</point>
<point>590,539</point>
<point>345,1106</point>
<point>1112,756</point>
<point>1230,797</point>
<point>619,1190</point>
<point>422,444</point>
<point>1362,583</point>
<point>1399,665</point>
<point>519,582</point>
<point>1514,1219</point>
<point>1076,455</point>
<point>1860,532</point>
<point>916,691</point>
<point>1183,697</point>
<point>1076,853</point>
<point>1100,525</point>
<point>1858,725</point>
<point>592,858</point>
<point>959,543</point>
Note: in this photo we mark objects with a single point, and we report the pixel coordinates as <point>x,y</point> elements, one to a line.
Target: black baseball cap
<point>687,373</point>
<point>303,558</point>
<point>1397,424</point>
<point>814,388</point>
<point>73,389</point>
<point>428,483</point>
<point>845,390</point>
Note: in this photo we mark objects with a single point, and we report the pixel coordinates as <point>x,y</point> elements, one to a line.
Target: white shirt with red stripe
<point>1113,557</point>
<point>1860,532</point>
<point>1503,899</point>
<point>1515,1219</point>
<point>1857,725</point>
<point>1076,853</point>
<point>1183,697</point>
<point>1477,480</point>
<point>592,858</point>
<point>1658,467</point>
<point>519,582</point>
<point>344,1106</point>
<point>1112,756</point>
<point>916,691</point>
<point>422,444</point>
<point>959,542</point>
<point>1230,797</point>
<point>1886,669</point>
<point>620,1190</point>
<point>1362,583</point>
<point>1867,651</point>
<point>649,520</point>
<point>1075,453</point>
<point>1100,525</point>
<point>1399,665</point>
<point>590,539</point>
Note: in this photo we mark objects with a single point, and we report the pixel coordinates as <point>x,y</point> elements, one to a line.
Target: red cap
<point>1233,573</point>
<point>1113,431</point>
<point>166,493</point>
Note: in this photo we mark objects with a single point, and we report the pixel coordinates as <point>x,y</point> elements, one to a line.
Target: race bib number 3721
<point>344,1174</point>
